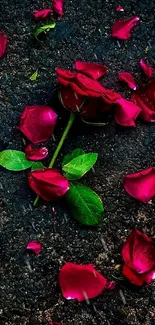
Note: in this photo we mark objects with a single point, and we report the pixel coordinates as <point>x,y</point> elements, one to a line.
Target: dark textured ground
<point>83,33</point>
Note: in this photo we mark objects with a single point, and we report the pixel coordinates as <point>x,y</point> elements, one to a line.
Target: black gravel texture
<point>34,298</point>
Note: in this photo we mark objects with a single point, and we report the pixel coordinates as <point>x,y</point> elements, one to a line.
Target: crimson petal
<point>41,14</point>
<point>121,28</point>
<point>48,183</point>
<point>126,112</point>
<point>119,8</point>
<point>81,281</point>
<point>141,185</point>
<point>70,100</point>
<point>134,278</point>
<point>34,246</point>
<point>145,98</point>
<point>93,70</point>
<point>92,87</point>
<point>37,123</point>
<point>147,69</point>
<point>128,78</point>
<point>3,43</point>
<point>35,154</point>
<point>138,252</point>
<point>57,6</point>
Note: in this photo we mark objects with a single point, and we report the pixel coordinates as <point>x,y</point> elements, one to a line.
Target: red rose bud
<point>3,43</point>
<point>35,154</point>
<point>41,14</point>
<point>37,123</point>
<point>48,183</point>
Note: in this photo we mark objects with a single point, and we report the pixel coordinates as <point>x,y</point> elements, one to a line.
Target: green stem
<point>60,144</point>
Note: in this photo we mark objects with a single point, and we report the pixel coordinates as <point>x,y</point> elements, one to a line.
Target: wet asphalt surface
<point>33,298</point>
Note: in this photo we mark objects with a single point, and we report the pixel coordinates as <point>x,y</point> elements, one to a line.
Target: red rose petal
<point>80,281</point>
<point>137,279</point>
<point>119,8</point>
<point>126,112</point>
<point>121,28</point>
<point>34,246</point>
<point>41,14</point>
<point>145,98</point>
<point>57,6</point>
<point>3,43</point>
<point>67,78</point>
<point>141,185</point>
<point>147,69</point>
<point>93,70</point>
<point>48,183</point>
<point>128,78</point>
<point>138,252</point>
<point>37,123</point>
<point>150,276</point>
<point>70,100</point>
<point>35,154</point>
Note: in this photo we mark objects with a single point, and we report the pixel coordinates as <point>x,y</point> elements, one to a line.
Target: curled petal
<point>41,14</point>
<point>81,281</point>
<point>71,100</point>
<point>119,8</point>
<point>89,85</point>
<point>121,28</point>
<point>34,246</point>
<point>37,123</point>
<point>57,6</point>
<point>3,43</point>
<point>128,78</point>
<point>138,252</point>
<point>126,112</point>
<point>93,70</point>
<point>145,99</point>
<point>141,185</point>
<point>67,78</point>
<point>48,183</point>
<point>147,69</point>
<point>35,154</point>
<point>65,74</point>
<point>133,277</point>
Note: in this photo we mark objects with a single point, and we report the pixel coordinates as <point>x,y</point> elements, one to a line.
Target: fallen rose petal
<point>3,43</point>
<point>91,87</point>
<point>80,281</point>
<point>70,100</point>
<point>111,285</point>
<point>141,185</point>
<point>138,252</point>
<point>37,123</point>
<point>126,112</point>
<point>128,78</point>
<point>119,8</point>
<point>35,154</point>
<point>121,28</point>
<point>57,6</point>
<point>34,246</point>
<point>147,69</point>
<point>41,14</point>
<point>133,277</point>
<point>93,70</point>
<point>48,183</point>
<point>145,99</point>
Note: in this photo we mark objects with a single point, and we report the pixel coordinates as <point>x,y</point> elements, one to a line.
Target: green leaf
<point>14,160</point>
<point>75,153</point>
<point>44,28</point>
<point>84,204</point>
<point>34,76</point>
<point>79,166</point>
<point>37,165</point>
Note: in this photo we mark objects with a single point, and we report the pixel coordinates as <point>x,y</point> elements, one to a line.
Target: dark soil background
<point>34,298</point>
